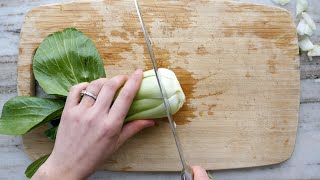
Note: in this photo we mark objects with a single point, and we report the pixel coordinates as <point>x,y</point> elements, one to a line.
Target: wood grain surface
<point>237,63</point>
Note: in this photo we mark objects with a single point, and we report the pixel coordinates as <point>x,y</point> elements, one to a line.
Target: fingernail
<point>151,124</point>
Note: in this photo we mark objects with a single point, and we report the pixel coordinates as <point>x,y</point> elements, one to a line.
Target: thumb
<point>199,173</point>
<point>133,128</point>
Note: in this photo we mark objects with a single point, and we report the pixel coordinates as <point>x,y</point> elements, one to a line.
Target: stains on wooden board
<point>211,108</point>
<point>217,93</point>
<point>210,113</point>
<point>112,161</point>
<point>188,84</point>
<point>167,30</point>
<point>183,53</point>
<point>186,79</point>
<point>204,1</point>
<point>252,47</point>
<point>201,50</point>
<point>184,115</point>
<point>162,57</point>
<point>286,142</point>
<point>113,53</point>
<point>180,16</point>
<point>271,66</point>
<point>201,113</point>
<point>207,109</point>
<point>277,31</point>
<point>122,35</point>
<point>130,24</point>
<point>20,50</point>
<point>262,29</point>
<point>248,75</point>
<point>206,77</point>
<point>126,168</point>
<point>100,39</point>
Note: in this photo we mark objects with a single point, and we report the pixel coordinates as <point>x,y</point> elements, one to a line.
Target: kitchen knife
<point>186,173</point>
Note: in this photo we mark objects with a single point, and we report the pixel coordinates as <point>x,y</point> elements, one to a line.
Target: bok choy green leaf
<point>33,167</point>
<point>66,58</point>
<point>21,114</point>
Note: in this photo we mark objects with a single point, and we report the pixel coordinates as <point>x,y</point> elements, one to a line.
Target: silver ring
<point>84,92</point>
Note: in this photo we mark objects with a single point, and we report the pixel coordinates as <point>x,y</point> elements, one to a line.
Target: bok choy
<point>148,103</point>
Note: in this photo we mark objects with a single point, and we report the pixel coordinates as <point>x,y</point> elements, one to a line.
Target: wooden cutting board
<point>237,62</point>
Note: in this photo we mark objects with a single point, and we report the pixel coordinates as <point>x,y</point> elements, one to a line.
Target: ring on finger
<point>84,92</point>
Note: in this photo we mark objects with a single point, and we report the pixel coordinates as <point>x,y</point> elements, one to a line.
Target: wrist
<point>51,170</point>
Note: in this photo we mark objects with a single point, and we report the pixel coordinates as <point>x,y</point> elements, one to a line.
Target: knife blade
<point>186,173</point>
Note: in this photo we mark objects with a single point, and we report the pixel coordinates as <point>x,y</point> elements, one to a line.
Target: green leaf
<point>52,132</point>
<point>66,58</point>
<point>21,113</point>
<point>33,167</point>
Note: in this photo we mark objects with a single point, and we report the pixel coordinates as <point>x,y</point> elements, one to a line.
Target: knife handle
<point>187,173</point>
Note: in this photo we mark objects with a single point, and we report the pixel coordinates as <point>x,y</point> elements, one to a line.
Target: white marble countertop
<point>304,163</point>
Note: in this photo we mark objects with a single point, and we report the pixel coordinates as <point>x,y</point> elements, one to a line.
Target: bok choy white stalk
<point>148,103</point>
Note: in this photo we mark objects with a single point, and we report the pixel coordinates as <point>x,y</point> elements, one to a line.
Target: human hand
<point>91,130</point>
<point>199,173</point>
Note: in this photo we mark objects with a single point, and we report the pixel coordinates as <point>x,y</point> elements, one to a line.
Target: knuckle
<point>106,127</point>
<point>126,95</point>
<point>111,85</point>
<point>94,85</point>
<point>84,84</point>
<point>74,117</point>
<point>78,111</point>
<point>90,117</point>
<point>73,88</point>
<point>90,122</point>
<point>122,78</point>
<point>73,114</point>
<point>78,86</point>
<point>109,130</point>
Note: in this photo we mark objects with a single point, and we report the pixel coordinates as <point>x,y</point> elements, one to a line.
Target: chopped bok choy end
<point>305,44</point>
<point>301,6</point>
<point>309,21</point>
<point>148,103</point>
<point>281,2</point>
<point>306,25</point>
<point>303,28</point>
<point>315,51</point>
